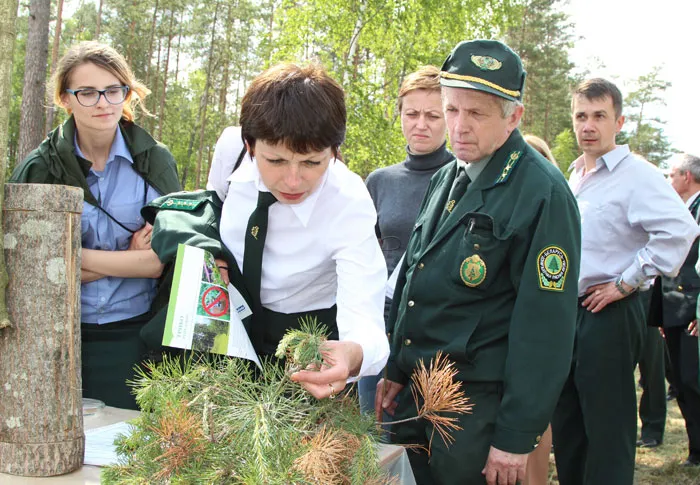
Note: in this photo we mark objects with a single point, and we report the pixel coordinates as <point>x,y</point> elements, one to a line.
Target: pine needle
<point>440,394</point>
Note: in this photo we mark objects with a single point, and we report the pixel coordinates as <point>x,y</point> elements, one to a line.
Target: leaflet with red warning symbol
<point>204,314</point>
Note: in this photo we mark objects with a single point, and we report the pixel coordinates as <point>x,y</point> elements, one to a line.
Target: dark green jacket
<point>495,287</point>
<point>54,161</point>
<point>675,299</point>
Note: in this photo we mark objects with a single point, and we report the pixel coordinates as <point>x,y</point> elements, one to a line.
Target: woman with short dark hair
<point>320,256</point>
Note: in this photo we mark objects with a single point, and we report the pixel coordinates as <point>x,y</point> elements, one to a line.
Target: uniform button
<point>421,266</point>
<point>477,247</point>
<point>407,342</point>
<point>411,303</point>
<point>680,288</point>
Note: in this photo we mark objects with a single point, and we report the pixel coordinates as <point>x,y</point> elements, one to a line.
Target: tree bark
<point>161,110</point>
<point>41,432</point>
<point>205,101</point>
<point>99,21</point>
<point>31,123</point>
<point>8,15</point>
<point>51,109</point>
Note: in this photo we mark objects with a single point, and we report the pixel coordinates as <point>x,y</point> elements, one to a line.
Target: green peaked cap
<point>485,65</point>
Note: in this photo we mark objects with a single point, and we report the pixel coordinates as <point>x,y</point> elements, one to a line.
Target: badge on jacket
<point>552,266</point>
<point>473,271</point>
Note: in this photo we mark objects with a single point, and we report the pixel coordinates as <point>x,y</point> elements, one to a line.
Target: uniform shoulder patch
<point>509,166</point>
<point>552,266</point>
<point>181,204</point>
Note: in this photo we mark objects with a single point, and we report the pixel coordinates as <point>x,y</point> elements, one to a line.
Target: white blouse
<point>320,252</point>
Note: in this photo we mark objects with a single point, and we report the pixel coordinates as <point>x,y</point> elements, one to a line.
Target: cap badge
<point>487,63</point>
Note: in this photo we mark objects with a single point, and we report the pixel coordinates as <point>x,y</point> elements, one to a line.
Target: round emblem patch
<point>473,271</point>
<point>552,265</point>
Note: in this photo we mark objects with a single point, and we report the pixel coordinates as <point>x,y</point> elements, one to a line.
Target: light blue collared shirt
<point>120,191</point>
<point>632,221</point>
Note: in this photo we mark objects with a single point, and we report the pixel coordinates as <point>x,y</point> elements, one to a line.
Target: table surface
<point>389,456</point>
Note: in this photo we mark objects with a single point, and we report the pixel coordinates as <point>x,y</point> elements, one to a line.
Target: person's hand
<point>342,359</point>
<point>504,468</point>
<point>385,398</point>
<point>600,296</point>
<point>141,239</point>
<point>693,328</point>
<point>223,269</point>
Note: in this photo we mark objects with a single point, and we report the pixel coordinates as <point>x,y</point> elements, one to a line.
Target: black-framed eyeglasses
<point>90,97</point>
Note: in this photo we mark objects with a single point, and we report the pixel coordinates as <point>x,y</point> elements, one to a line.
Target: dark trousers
<point>460,463</point>
<point>595,421</point>
<point>683,351</point>
<point>652,405</point>
<point>110,352</point>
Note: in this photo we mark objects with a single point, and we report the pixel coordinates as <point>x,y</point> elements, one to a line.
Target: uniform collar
<point>249,173</point>
<point>118,148</point>
<point>474,169</point>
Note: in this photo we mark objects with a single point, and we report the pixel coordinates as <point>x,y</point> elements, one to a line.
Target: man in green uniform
<point>489,278</point>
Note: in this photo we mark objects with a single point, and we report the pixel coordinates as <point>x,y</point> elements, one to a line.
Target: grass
<point>659,466</point>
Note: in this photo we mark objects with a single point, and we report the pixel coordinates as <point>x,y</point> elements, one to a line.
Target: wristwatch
<point>620,288</point>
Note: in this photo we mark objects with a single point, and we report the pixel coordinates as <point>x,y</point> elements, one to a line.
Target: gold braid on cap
<point>459,77</point>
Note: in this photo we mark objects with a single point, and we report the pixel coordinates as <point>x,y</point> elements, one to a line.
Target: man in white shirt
<point>676,311</point>
<point>634,228</point>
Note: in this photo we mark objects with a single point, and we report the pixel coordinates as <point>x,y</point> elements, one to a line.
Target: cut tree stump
<point>41,420</point>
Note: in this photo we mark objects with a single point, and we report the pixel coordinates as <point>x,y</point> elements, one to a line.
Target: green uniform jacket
<point>495,287</point>
<point>54,161</point>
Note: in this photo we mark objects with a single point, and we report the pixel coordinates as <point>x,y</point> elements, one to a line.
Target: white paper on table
<point>99,444</point>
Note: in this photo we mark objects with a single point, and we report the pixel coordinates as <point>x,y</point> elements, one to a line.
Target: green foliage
<point>196,55</point>
<point>542,38</point>
<point>220,421</point>
<point>647,137</point>
<point>565,149</point>
<point>302,348</point>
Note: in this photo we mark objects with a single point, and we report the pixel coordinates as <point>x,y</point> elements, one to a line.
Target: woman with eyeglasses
<point>120,168</point>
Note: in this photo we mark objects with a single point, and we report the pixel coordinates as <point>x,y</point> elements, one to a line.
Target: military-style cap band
<point>458,77</point>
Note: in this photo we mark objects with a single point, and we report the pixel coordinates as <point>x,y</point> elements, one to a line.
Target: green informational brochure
<point>204,313</point>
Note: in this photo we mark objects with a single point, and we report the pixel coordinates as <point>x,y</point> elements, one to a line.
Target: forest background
<point>198,57</point>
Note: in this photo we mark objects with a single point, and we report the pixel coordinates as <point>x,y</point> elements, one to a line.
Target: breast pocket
<point>129,215</point>
<point>482,251</point>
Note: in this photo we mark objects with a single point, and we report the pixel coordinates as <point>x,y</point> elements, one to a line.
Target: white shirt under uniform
<point>632,221</point>
<point>320,252</point>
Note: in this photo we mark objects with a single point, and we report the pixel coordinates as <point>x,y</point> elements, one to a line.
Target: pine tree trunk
<point>205,99</point>
<point>41,407</point>
<point>161,110</point>
<point>31,123</point>
<point>8,15</point>
<point>51,109</point>
<point>99,21</point>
